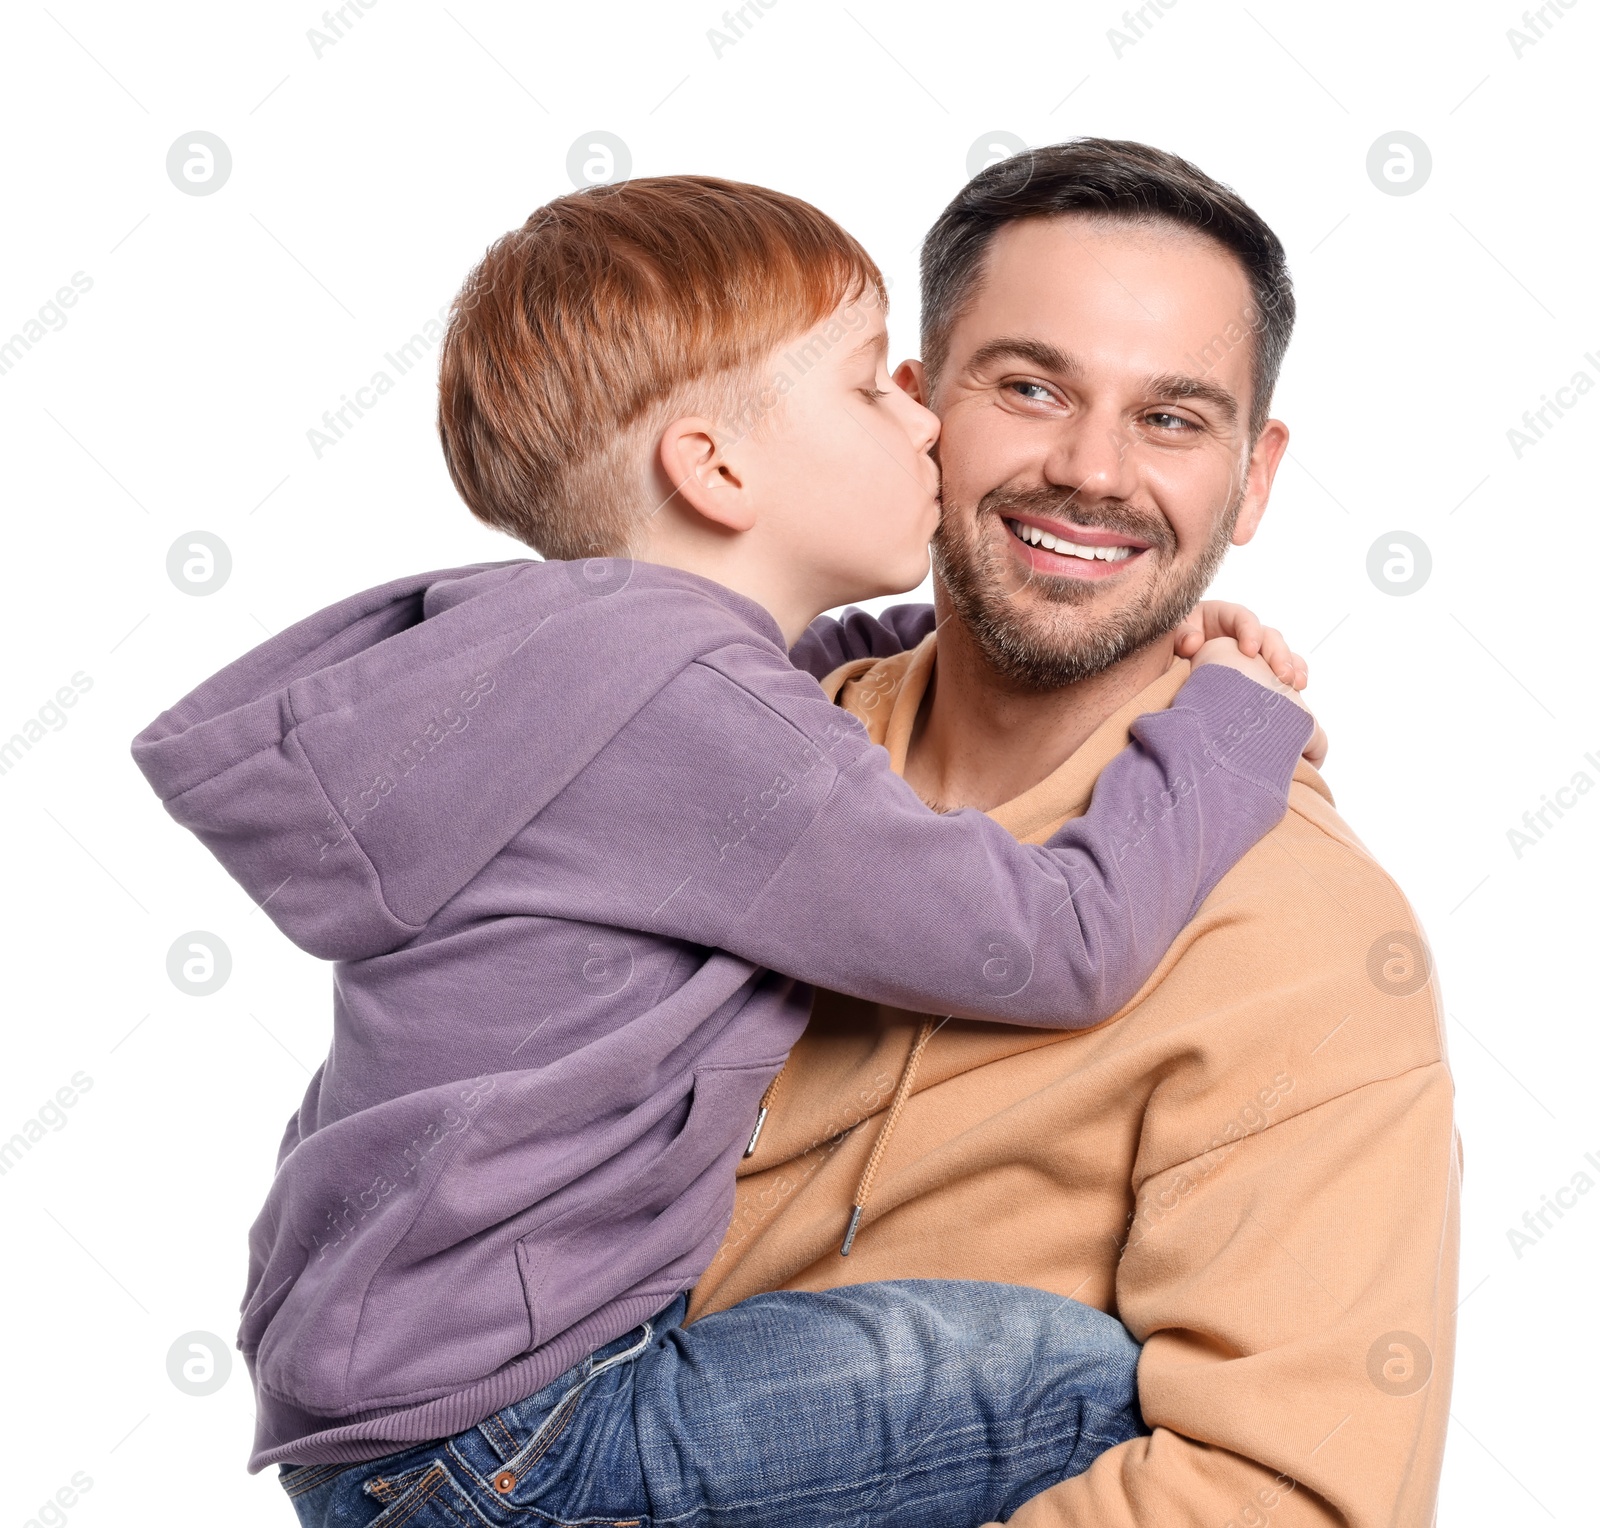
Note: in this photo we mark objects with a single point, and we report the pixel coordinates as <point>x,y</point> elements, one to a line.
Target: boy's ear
<point>910,377</point>
<point>702,476</point>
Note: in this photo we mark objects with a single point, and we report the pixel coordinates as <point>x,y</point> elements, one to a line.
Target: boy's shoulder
<point>604,628</point>
<point>611,590</point>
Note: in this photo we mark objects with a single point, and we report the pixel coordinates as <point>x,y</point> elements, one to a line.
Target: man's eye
<point>1174,424</point>
<point>1035,392</point>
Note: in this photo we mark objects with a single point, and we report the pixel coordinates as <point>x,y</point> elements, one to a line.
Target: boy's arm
<point>828,642</point>
<point>1221,618</point>
<point>775,830</point>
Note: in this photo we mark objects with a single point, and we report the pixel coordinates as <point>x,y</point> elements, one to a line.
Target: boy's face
<point>841,459</point>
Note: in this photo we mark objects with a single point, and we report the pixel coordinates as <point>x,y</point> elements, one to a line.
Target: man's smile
<point>1063,550</point>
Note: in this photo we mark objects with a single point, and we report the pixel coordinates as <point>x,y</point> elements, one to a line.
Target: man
<point>1254,1164</point>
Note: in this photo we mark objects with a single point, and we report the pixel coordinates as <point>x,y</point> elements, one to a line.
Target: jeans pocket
<point>571,1455</point>
<point>425,1497</point>
<point>300,1480</point>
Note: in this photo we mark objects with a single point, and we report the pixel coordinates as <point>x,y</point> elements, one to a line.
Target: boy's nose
<point>927,427</point>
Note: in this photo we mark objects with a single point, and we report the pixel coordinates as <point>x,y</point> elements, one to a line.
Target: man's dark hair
<point>1117,181</point>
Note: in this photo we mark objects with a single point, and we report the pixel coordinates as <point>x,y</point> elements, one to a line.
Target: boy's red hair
<point>604,314</point>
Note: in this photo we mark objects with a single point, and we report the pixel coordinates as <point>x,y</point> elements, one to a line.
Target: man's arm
<point>1295,1291</point>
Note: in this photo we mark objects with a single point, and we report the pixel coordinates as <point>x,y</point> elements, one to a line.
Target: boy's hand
<point>1230,654</point>
<point>1217,618</point>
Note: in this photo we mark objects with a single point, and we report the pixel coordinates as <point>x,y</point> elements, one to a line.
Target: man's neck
<point>981,740</point>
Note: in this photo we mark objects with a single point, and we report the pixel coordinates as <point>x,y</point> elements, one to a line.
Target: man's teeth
<point>1058,544</point>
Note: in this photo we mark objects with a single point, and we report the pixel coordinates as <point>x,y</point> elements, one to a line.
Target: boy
<point>563,823</point>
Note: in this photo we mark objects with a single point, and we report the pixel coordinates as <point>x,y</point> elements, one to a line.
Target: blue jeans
<point>918,1403</point>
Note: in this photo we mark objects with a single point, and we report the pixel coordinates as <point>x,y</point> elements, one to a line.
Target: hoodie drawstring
<point>765,1109</point>
<point>902,1093</point>
<point>908,1075</point>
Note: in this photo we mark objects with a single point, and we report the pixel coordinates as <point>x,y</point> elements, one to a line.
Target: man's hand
<point>1229,653</point>
<point>1211,619</point>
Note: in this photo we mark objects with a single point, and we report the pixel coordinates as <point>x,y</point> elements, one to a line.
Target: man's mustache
<point>1092,514</point>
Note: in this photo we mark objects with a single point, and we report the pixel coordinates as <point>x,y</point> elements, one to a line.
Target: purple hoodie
<point>560,826</point>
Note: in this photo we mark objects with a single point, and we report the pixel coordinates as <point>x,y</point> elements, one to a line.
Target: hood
<point>357,770</point>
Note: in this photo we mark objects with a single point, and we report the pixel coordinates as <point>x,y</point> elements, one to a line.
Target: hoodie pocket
<point>655,1231</point>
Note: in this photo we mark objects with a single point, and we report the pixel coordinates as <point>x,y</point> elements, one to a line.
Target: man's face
<point>1095,444</point>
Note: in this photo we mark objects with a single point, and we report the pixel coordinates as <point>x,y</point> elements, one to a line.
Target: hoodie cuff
<point>1249,729</point>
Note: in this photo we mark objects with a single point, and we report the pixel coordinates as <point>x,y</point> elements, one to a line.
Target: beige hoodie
<point>1253,1165</point>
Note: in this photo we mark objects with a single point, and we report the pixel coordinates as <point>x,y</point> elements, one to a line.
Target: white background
<point>365,183</point>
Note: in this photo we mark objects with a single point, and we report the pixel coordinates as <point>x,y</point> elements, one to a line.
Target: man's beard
<point>1019,641</point>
